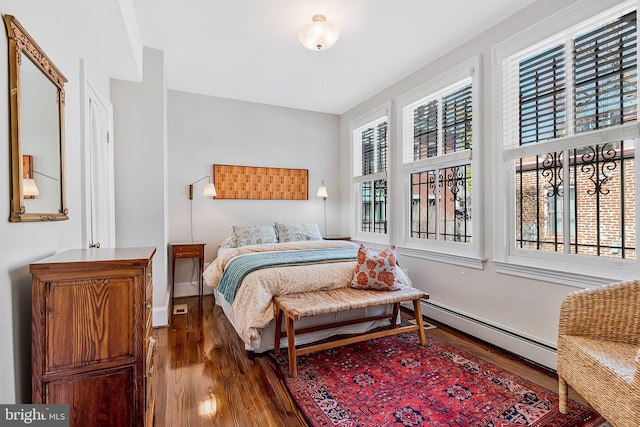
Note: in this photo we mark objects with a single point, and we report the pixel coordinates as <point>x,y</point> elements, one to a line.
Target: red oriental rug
<point>393,381</point>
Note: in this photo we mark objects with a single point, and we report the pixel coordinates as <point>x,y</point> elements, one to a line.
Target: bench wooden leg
<point>278,332</point>
<point>417,311</point>
<point>291,340</point>
<point>394,315</point>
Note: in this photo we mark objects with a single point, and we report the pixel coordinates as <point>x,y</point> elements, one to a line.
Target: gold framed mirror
<point>36,111</point>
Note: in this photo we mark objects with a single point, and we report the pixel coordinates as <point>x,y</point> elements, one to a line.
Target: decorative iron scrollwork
<point>552,173</point>
<point>599,162</point>
<point>456,180</point>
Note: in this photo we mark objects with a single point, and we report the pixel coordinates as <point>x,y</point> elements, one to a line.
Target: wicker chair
<point>599,350</point>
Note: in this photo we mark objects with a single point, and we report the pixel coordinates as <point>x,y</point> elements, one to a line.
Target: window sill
<point>566,274</point>
<point>373,239</point>
<point>464,261</point>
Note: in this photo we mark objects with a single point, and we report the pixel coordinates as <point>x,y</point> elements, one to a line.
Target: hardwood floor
<point>204,377</point>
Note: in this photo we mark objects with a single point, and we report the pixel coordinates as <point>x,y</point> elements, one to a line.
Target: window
<point>370,153</point>
<point>441,208</point>
<point>569,121</point>
<point>438,123</point>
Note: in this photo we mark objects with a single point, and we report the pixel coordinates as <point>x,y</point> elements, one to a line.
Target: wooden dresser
<point>91,335</point>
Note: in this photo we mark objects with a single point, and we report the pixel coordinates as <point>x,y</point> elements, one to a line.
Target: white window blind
<point>370,151</point>
<point>582,80</point>
<point>438,124</point>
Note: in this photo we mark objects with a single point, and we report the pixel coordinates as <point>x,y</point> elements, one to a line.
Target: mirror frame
<point>21,42</point>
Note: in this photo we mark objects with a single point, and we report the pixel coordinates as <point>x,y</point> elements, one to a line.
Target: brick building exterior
<point>602,202</point>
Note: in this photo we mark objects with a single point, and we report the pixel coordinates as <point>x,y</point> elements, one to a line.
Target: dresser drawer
<point>188,251</point>
<point>149,282</point>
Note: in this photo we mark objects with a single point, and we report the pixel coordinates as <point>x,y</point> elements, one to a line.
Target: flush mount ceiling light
<point>318,34</point>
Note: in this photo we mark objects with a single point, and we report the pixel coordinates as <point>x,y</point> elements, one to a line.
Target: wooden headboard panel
<point>261,183</point>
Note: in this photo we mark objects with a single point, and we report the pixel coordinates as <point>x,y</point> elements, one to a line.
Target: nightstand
<point>338,238</point>
<point>187,250</point>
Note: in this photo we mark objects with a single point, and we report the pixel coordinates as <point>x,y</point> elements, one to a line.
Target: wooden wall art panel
<point>251,182</point>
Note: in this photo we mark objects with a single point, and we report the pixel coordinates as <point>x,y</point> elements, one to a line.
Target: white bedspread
<point>252,308</point>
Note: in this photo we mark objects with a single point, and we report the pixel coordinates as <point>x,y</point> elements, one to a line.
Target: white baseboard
<point>526,347</point>
<point>160,315</point>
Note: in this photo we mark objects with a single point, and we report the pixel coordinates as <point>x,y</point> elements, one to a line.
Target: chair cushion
<point>603,373</point>
<point>616,357</point>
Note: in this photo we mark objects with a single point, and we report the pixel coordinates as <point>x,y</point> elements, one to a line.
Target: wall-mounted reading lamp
<point>322,192</point>
<point>208,191</point>
<point>29,187</point>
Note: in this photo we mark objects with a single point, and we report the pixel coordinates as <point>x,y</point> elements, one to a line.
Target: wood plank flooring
<point>204,377</point>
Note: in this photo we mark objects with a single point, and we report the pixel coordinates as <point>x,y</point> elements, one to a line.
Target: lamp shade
<point>29,187</point>
<point>322,191</point>
<point>318,34</point>
<point>209,190</point>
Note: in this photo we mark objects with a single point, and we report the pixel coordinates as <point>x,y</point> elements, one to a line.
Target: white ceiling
<point>248,49</point>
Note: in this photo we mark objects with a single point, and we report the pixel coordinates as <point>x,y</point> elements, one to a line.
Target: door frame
<point>90,89</point>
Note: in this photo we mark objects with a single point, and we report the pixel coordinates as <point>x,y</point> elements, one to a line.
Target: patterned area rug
<point>393,381</point>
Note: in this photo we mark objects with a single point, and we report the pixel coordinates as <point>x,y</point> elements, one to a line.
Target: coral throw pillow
<point>375,272</point>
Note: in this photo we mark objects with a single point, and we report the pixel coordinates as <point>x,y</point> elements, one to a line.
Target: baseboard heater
<point>525,347</point>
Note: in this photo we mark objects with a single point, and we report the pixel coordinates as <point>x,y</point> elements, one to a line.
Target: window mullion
<point>436,192</point>
<point>566,202</point>
<point>570,105</point>
<point>440,132</point>
<point>372,207</point>
<point>437,183</point>
<point>376,142</point>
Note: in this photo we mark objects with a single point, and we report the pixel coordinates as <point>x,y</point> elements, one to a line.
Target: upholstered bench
<point>305,304</point>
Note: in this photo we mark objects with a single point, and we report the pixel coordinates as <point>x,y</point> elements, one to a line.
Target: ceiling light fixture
<point>318,34</point>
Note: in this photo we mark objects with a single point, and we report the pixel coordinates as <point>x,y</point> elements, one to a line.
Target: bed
<point>249,305</point>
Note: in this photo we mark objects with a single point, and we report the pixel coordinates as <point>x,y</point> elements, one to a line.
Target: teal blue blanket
<point>238,268</point>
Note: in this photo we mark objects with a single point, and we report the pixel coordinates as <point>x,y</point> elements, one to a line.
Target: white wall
<point>54,27</point>
<point>481,302</point>
<point>204,130</point>
<point>140,153</point>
